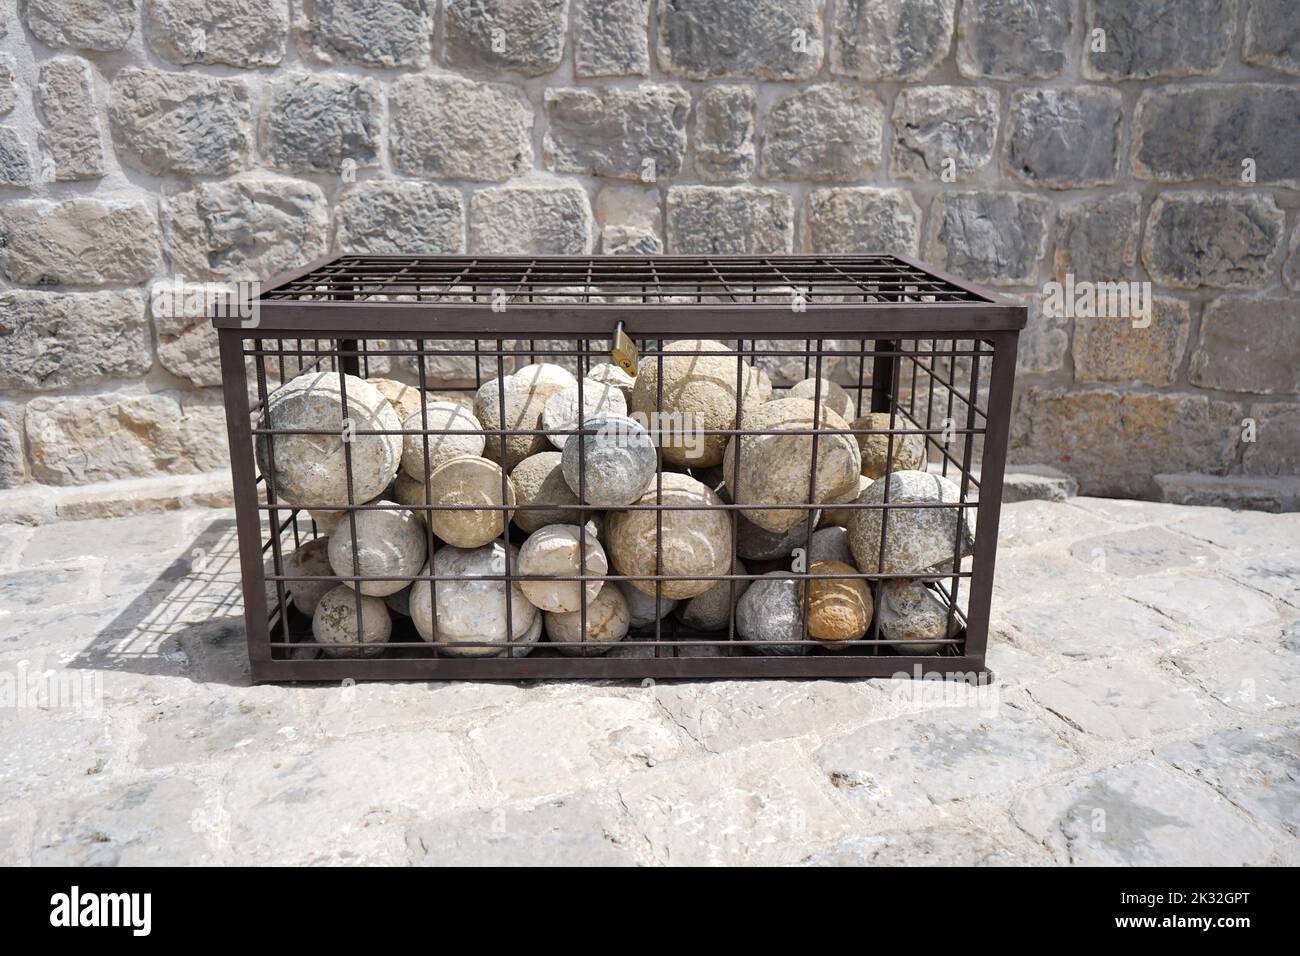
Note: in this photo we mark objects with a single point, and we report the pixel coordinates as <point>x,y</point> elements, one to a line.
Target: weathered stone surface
<point>1212,608</point>
<point>1219,240</point>
<point>1064,139</point>
<point>79,439</point>
<point>879,40</point>
<point>943,132</point>
<point>1118,700</point>
<point>1277,450</point>
<point>1098,238</point>
<point>526,36</point>
<point>859,219</point>
<point>1250,676</point>
<point>1255,769</point>
<point>15,159</point>
<point>88,24</point>
<point>321,124</point>
<point>389,216</point>
<point>1258,493</point>
<point>1271,38</point>
<point>622,134</point>
<point>1138,814</point>
<point>1134,552</point>
<point>724,133</point>
<point>244,228</point>
<point>71,133</point>
<point>631,222</point>
<point>246,33</point>
<point>1249,345</point>
<point>766,39</point>
<point>8,76</point>
<point>996,237</point>
<point>1158,37</point>
<point>915,539</point>
<point>826,131</point>
<point>942,846</point>
<point>186,341</point>
<point>181,123</point>
<point>1242,531</point>
<point>1207,132</point>
<point>1114,350</point>
<point>385,33</point>
<point>531,220</point>
<point>56,340</point>
<point>1044,339</point>
<point>1115,441</point>
<point>720,220</point>
<point>452,128</point>
<point>1275,575</point>
<point>1037,483</point>
<point>13,459</point>
<point>1013,39</point>
<point>1291,268</point>
<point>79,242</point>
<point>610,37</point>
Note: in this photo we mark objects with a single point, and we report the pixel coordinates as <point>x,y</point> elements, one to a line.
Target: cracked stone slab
<point>943,755</point>
<point>1205,605</point>
<point>942,846</point>
<point>1120,701</point>
<point>1031,523</point>
<point>1139,814</point>
<point>1141,551</point>
<point>1276,575</point>
<point>343,711</point>
<point>182,730</point>
<point>1095,625</point>
<point>1254,677</point>
<point>1021,577</point>
<point>1241,531</point>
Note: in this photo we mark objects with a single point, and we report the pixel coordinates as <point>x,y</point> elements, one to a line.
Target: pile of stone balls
<point>513,504</point>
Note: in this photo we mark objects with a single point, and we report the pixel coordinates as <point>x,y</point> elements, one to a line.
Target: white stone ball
<point>539,480</point>
<point>312,469</point>
<point>389,542</point>
<point>618,461</point>
<point>607,622</point>
<point>833,396</point>
<point>310,560</point>
<point>917,540</point>
<point>556,550</point>
<point>560,413</point>
<point>770,612</point>
<point>526,392</point>
<point>335,622</point>
<point>469,481</point>
<point>471,611</point>
<point>463,438</point>
<point>641,607</point>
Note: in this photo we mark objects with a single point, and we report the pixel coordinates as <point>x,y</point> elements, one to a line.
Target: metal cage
<point>935,353</point>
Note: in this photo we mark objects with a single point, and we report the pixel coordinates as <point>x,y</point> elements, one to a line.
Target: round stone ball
<point>909,449</point>
<point>469,611</point>
<point>833,396</point>
<point>312,469</point>
<point>839,609</point>
<point>607,373</point>
<point>831,544</point>
<point>409,492</point>
<point>607,622</point>
<point>711,611</point>
<point>561,411</point>
<point>309,560</point>
<point>388,542</point>
<point>539,480</point>
<point>463,437</point>
<point>641,607</point>
<point>696,539</point>
<point>335,622</point>
<point>770,612</point>
<point>918,539</point>
<point>914,615</point>
<point>556,550</point>
<point>617,459</point>
<point>840,516</point>
<point>758,544</point>
<point>545,375</point>
<point>404,398</point>
<point>399,602</point>
<point>327,521</point>
<point>763,391</point>
<point>526,393</point>
<point>776,469</point>
<point>699,392</point>
<point>469,481</point>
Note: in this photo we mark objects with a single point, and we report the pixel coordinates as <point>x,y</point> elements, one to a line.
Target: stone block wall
<point>229,139</point>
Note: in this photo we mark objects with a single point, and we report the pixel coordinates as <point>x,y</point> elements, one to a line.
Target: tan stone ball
<point>526,392</point>
<point>909,449</point>
<point>607,373</point>
<point>310,560</point>
<point>389,542</point>
<point>607,622</point>
<point>404,398</point>
<point>556,550</point>
<point>833,396</point>
<point>409,491</point>
<point>473,612</point>
<point>832,516</point>
<point>335,622</point>
<point>696,540</point>
<point>469,481</point>
<point>776,469</point>
<point>462,437</point>
<point>839,609</point>
<point>539,480</point>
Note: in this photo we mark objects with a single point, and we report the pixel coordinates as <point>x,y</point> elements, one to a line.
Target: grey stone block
<point>524,36</point>
<point>321,124</point>
<point>15,159</point>
<point>1013,39</point>
<point>1271,38</point>
<point>244,33</point>
<point>1097,239</point>
<point>1220,240</point>
<point>637,134</point>
<point>386,217</point>
<point>88,25</point>
<point>452,128</point>
<point>723,133</point>
<point>1159,37</point>
<point>1113,349</point>
<point>78,242</point>
<point>891,39</point>
<point>825,132</point>
<point>1064,139</point>
<point>610,37</point>
<point>738,219</point>
<point>531,220</point>
<point>857,219</point>
<point>996,237</point>
<point>383,33</point>
<point>764,39</point>
<point>933,125</point>
<point>60,339</point>
<point>72,133</point>
<point>1249,345</point>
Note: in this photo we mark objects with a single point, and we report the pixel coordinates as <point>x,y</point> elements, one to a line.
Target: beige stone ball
<point>556,550</point>
<point>914,616</point>
<point>404,398</point>
<point>473,612</point>
<point>607,373</point>
<point>696,540</point>
<point>469,481</point>
<point>839,609</point>
<point>389,542</point>
<point>462,437</point>
<point>909,450</point>
<point>833,396</point>
<point>335,622</point>
<point>832,516</point>
<point>310,560</point>
<point>607,623</point>
<point>526,392</point>
<point>539,480</point>
<point>776,469</point>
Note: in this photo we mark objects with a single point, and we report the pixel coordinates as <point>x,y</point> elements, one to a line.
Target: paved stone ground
<point>1148,658</point>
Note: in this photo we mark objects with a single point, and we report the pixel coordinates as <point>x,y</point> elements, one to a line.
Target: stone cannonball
<point>309,560</point>
<point>839,609</point>
<point>696,540</point>
<point>404,398</point>
<point>471,612</point>
<point>526,393</point>
<point>462,438</point>
<point>776,469</point>
<point>409,491</point>
<point>909,450</point>
<point>469,481</point>
<point>389,542</point>
<point>539,480</point>
<point>327,521</point>
<point>399,602</point>
<point>833,396</point>
<point>770,612</point>
<point>561,411</point>
<point>831,544</point>
<point>711,611</point>
<point>840,516</point>
<point>312,469</point>
<point>913,615</point>
<point>759,544</point>
<point>641,607</point>
<point>607,622</point>
<point>618,461</point>
<point>917,539</point>
<point>699,391</point>
<point>556,550</point>
<point>335,622</point>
